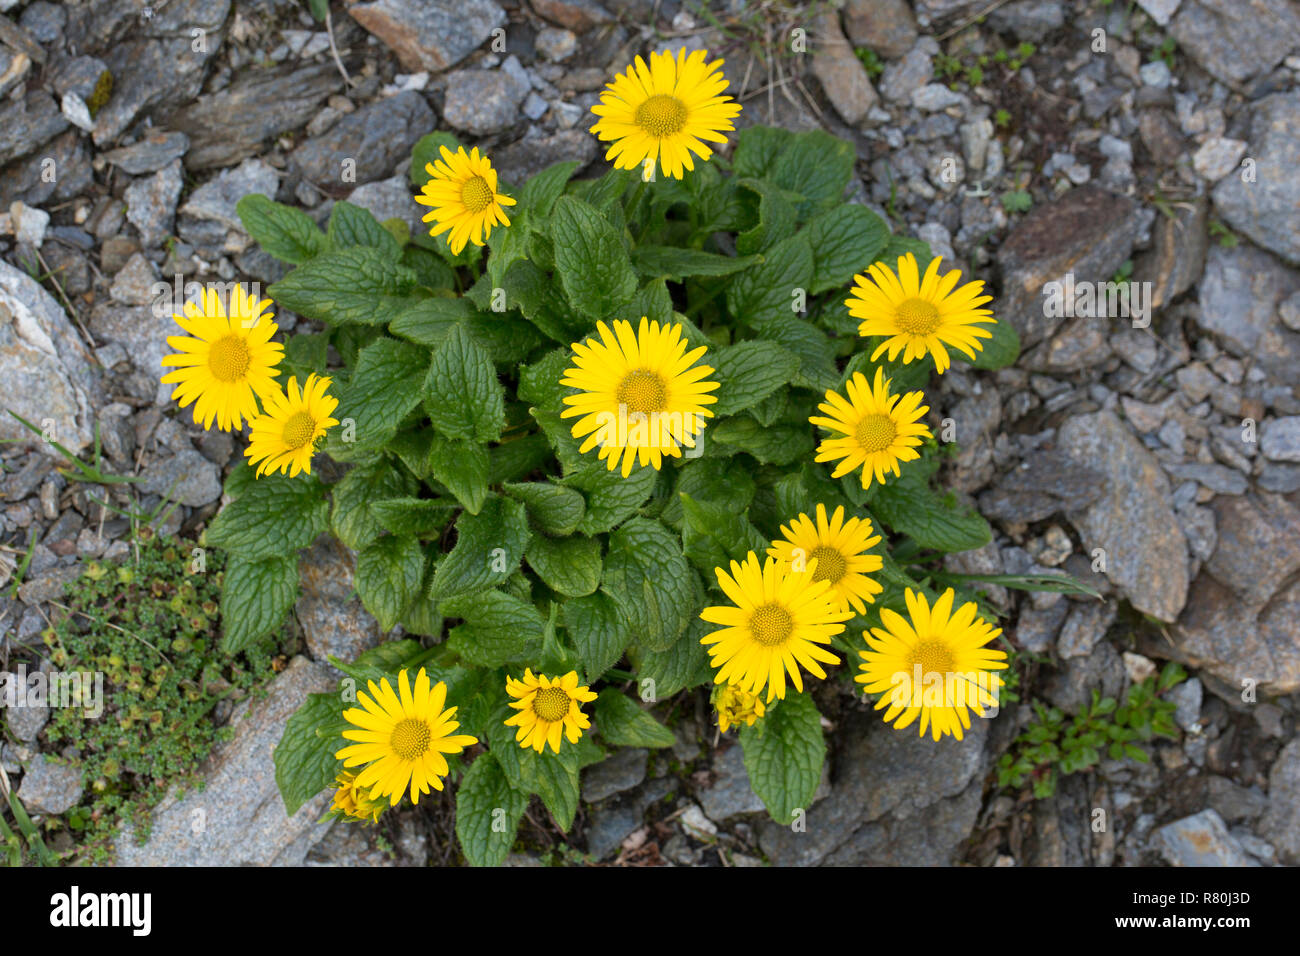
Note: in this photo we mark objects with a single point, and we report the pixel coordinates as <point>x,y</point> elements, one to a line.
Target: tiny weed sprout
<point>599,444</point>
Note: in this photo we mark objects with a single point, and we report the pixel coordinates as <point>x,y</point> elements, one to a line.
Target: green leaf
<point>1001,351</point>
<point>489,547</point>
<point>420,517</point>
<point>531,291</point>
<point>908,506</point>
<point>776,217</point>
<point>900,246</point>
<point>539,194</point>
<point>255,597</point>
<point>685,664</point>
<point>623,723</point>
<point>384,387</point>
<point>816,165</point>
<point>359,286</point>
<point>713,536</point>
<point>770,288</point>
<point>590,259</point>
<point>674,264</point>
<point>776,444</point>
<point>282,231</point>
<point>304,759</point>
<point>427,151</point>
<point>570,566</point>
<point>499,628</point>
<point>844,240</point>
<point>651,582</point>
<point>748,372</point>
<point>462,394</point>
<point>353,226</point>
<point>809,344</point>
<point>429,321</point>
<point>757,149</point>
<point>597,631</point>
<point>539,383</point>
<point>556,509</point>
<point>554,778</point>
<point>276,516</point>
<point>488,811</point>
<point>784,753</point>
<point>353,519</point>
<point>651,301</point>
<point>462,466</point>
<point>389,574</point>
<point>517,457</point>
<point>611,498</point>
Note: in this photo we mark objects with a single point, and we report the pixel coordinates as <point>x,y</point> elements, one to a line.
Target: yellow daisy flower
<point>284,437</point>
<point>229,363</point>
<point>549,708</point>
<point>642,396</point>
<point>935,666</point>
<point>920,314</point>
<point>839,548</point>
<point>877,430</point>
<point>735,705</point>
<point>462,190</point>
<point>352,802</point>
<point>402,737</point>
<point>661,113</point>
<point>780,619</point>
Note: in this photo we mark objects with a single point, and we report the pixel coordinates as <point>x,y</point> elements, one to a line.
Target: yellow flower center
<point>771,624</point>
<point>661,115</point>
<point>875,432</point>
<point>916,316</point>
<point>228,358</point>
<point>410,739</point>
<point>831,565</point>
<point>643,391</point>
<point>298,430</point>
<point>933,656</point>
<point>476,194</point>
<point>551,703</point>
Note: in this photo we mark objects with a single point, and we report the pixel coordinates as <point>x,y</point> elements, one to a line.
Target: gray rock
<point>150,154</point>
<point>1028,19</point>
<point>895,799</point>
<point>209,220</point>
<point>1177,253</point>
<point>1199,840</point>
<point>885,26</point>
<point>616,774</point>
<point>27,180</point>
<point>49,787</point>
<point>1086,625</point>
<point>192,479</point>
<point>237,818</point>
<point>1088,233</point>
<point>912,72</point>
<point>28,122</point>
<point>391,199</point>
<point>1218,478</point>
<point>26,721</point>
<point>841,74</point>
<point>47,371</point>
<point>368,143</point>
<point>1232,802</point>
<point>555,44</point>
<point>333,619</point>
<point>483,101</point>
<point>1046,483</point>
<point>1037,628</point>
<point>1239,296</point>
<point>142,331</point>
<point>430,34</point>
<point>49,583</point>
<point>231,125</point>
<point>1279,439</point>
<point>1281,823</point>
<point>1265,209</point>
<point>614,820</point>
<point>133,284</point>
<point>526,157</point>
<point>1235,40</point>
<point>1146,553</point>
<point>151,204</point>
<point>1187,697</point>
<point>578,15</point>
<point>1159,10</point>
<point>730,794</point>
<point>1071,687</point>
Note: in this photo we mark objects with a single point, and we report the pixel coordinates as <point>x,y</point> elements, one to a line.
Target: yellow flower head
<point>934,666</point>
<point>735,706</point>
<point>549,708</point>
<point>642,396</point>
<point>877,430</point>
<point>920,314</point>
<point>230,361</point>
<point>284,437</point>
<point>402,737</point>
<point>839,548</point>
<point>462,190</point>
<point>661,113</point>
<point>354,803</point>
<point>780,620</point>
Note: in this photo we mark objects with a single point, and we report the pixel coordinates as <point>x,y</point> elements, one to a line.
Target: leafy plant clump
<point>1052,745</point>
<point>147,626</point>
<point>492,540</point>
